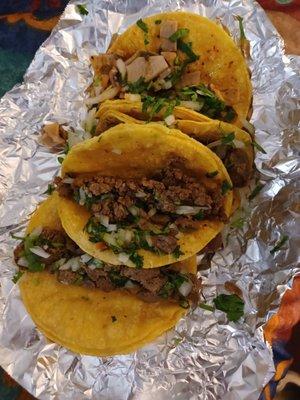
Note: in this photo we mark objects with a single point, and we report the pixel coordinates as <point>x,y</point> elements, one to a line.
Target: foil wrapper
<point>204,357</point>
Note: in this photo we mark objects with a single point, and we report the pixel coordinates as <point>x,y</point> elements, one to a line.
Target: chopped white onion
<point>132,97</point>
<point>188,210</point>
<point>248,126</point>
<point>152,212</point>
<point>140,194</point>
<point>68,180</point>
<point>123,258</point>
<point>148,239</point>
<point>134,210</point>
<point>72,263</point>
<point>82,196</point>
<point>129,284</point>
<point>112,228</point>
<point>193,105</point>
<point>168,85</point>
<point>214,144</point>
<point>108,94</point>
<point>185,288</point>
<point>77,137</point>
<point>39,251</point>
<point>170,119</point>
<point>121,67</point>
<point>238,144</point>
<point>22,262</point>
<point>104,220</point>
<point>128,236</point>
<point>116,151</point>
<point>85,258</point>
<point>37,231</point>
<point>110,239</point>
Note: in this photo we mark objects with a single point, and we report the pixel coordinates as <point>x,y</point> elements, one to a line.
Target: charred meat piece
<point>238,166</point>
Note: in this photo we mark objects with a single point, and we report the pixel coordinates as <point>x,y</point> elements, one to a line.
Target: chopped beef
<point>67,277</point>
<point>167,28</point>
<point>186,224</point>
<point>166,244</point>
<point>160,219</point>
<point>238,167</point>
<point>151,279</point>
<point>105,284</point>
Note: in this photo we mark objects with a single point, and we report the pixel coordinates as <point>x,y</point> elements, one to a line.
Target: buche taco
<point>170,61</point>
<point>91,307</point>
<point>143,195</point>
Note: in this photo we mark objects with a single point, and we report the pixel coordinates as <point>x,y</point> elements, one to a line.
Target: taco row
<point>110,257</point>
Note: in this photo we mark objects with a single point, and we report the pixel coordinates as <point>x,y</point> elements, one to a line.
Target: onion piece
<point>189,210</point>
<point>23,262</point>
<point>116,151</point>
<point>193,105</point>
<point>68,180</point>
<point>130,285</point>
<point>108,94</point>
<point>37,231</point>
<point>72,263</point>
<point>185,288</point>
<point>104,220</point>
<point>85,258</point>
<point>168,85</point>
<point>82,196</point>
<point>170,119</point>
<point>134,210</point>
<point>140,194</point>
<point>121,67</point>
<point>248,126</point>
<point>214,144</point>
<point>152,212</point>
<point>39,251</point>
<point>132,97</point>
<point>238,144</point>
<point>123,258</point>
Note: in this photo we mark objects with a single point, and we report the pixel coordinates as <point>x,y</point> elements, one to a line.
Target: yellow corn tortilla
<point>134,151</point>
<point>221,62</point>
<point>90,321</point>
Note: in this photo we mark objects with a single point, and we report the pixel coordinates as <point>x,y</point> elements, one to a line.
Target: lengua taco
<point>91,307</point>
<point>143,195</point>
<point>175,60</point>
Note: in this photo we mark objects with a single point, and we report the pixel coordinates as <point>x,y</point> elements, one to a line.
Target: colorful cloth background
<point>24,25</point>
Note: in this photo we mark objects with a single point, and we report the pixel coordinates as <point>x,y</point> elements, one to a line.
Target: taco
<point>171,60</point>
<point>143,195</point>
<point>91,307</point>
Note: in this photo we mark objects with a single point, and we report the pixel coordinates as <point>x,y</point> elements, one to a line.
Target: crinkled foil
<point>204,357</point>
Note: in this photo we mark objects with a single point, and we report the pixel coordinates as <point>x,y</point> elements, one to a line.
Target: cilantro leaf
<point>258,147</point>
<point>180,33</point>
<point>157,21</point>
<point>50,189</point>
<point>138,87</point>
<point>279,244</point>
<point>231,304</point>
<point>241,26</point>
<point>255,191</point>
<point>177,252</point>
<point>226,186</point>
<point>17,276</point>
<point>82,9</point>
<point>199,216</point>
<point>238,223</point>
<point>187,49</point>
<point>137,260</point>
<point>206,307</point>
<point>228,139</point>
<point>142,25</point>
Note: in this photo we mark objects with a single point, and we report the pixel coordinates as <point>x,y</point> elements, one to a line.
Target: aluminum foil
<point>204,357</point>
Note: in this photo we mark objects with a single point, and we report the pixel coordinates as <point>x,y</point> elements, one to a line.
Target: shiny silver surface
<point>204,357</point>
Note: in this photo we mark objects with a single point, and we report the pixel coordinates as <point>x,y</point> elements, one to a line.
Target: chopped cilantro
<point>279,244</point>
<point>238,223</point>
<point>113,318</point>
<point>184,303</point>
<point>228,139</point>
<point>255,191</point>
<point>116,278</point>
<point>180,33</point>
<point>241,26</point>
<point>157,21</point>
<point>206,307</point>
<point>177,252</point>
<point>17,276</point>
<point>137,260</point>
<point>138,87</point>
<point>146,41</point>
<point>142,25</point>
<point>67,148</point>
<point>82,9</point>
<point>187,49</point>
<point>211,174</point>
<point>50,189</point>
<point>231,304</point>
<point>226,186</point>
<point>258,147</point>
<point>60,159</point>
<point>199,216</point>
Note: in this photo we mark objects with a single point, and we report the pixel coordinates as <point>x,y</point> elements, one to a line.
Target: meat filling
<point>55,252</point>
<point>148,213</point>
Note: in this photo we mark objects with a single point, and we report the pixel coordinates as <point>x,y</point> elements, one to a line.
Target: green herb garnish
<point>241,26</point>
<point>255,191</point>
<point>187,49</point>
<point>226,186</point>
<point>137,260</point>
<point>157,21</point>
<point>180,33</point>
<point>117,279</point>
<point>231,304</point>
<point>259,147</point>
<point>139,86</point>
<point>228,139</point>
<point>238,223</point>
<point>199,216</point>
<point>279,244</point>
<point>60,159</point>
<point>211,174</point>
<point>82,9</point>
<point>177,252</point>
<point>206,307</point>
<point>50,189</point>
<point>17,276</point>
<point>142,25</point>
